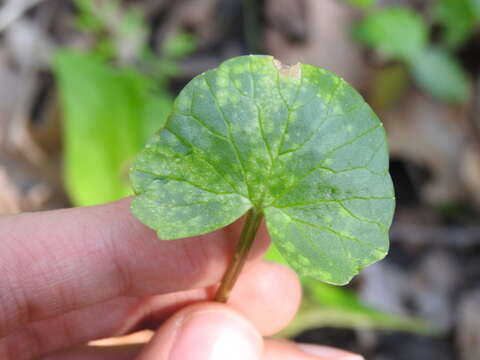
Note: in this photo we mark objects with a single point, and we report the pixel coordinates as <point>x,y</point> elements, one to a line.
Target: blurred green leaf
<point>87,19</point>
<point>439,73</point>
<point>133,21</point>
<point>118,32</point>
<point>317,317</point>
<point>331,296</point>
<point>458,19</point>
<point>274,255</point>
<point>179,45</point>
<point>396,32</point>
<point>108,114</point>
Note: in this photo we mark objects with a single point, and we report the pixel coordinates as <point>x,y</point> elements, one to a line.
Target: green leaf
<point>87,19</point>
<point>457,18</point>
<point>317,293</point>
<point>297,143</point>
<point>108,114</point>
<point>327,305</point>
<point>179,45</point>
<point>439,74</point>
<point>396,32</point>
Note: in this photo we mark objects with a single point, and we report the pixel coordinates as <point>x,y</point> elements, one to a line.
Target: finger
<point>267,294</point>
<point>207,331</point>
<point>273,350</point>
<point>286,350</point>
<point>120,352</point>
<point>58,261</point>
<point>76,327</point>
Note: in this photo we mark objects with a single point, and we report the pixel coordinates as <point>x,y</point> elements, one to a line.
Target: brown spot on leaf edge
<point>294,71</point>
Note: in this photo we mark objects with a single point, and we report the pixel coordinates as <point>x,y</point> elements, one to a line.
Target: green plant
<point>294,144</point>
<point>111,102</point>
<point>401,34</point>
<point>458,19</point>
<point>116,32</point>
<point>108,115</point>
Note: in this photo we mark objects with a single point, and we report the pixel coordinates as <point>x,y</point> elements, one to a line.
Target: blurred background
<point>83,84</point>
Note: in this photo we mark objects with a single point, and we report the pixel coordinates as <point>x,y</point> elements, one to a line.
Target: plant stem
<point>250,228</point>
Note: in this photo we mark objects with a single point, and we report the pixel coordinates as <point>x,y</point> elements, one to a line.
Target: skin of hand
<point>75,275</point>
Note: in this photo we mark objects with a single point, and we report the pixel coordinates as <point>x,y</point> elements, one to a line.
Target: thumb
<point>205,331</point>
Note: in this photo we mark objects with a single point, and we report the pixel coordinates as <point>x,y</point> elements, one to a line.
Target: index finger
<point>62,260</point>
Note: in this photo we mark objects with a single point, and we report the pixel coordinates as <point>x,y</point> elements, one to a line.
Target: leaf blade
<point>441,75</point>
<point>296,142</point>
<point>100,140</point>
<point>397,32</point>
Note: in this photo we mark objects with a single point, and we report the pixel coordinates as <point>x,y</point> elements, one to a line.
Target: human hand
<point>71,276</point>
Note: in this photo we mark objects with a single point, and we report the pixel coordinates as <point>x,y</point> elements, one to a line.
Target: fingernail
<point>216,335</point>
<point>326,352</point>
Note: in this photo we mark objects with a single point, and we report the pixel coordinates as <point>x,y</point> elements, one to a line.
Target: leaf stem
<point>250,228</point>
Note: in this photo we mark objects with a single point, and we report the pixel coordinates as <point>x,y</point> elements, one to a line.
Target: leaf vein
<point>259,115</point>
<point>361,218</point>
<point>204,158</point>
<point>173,178</point>
<point>287,123</point>
<point>325,156</point>
<point>326,228</point>
<point>323,120</point>
<point>232,143</point>
<point>320,201</point>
